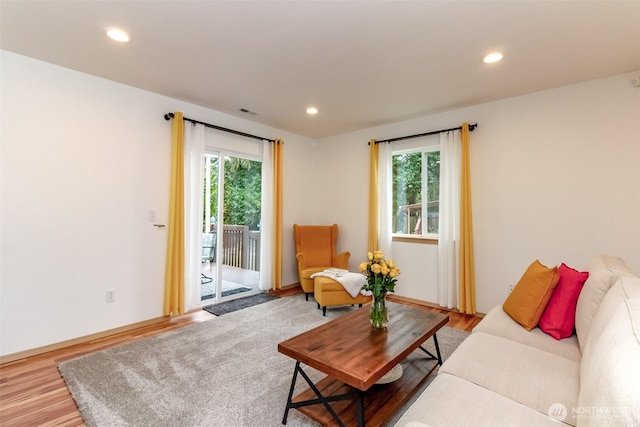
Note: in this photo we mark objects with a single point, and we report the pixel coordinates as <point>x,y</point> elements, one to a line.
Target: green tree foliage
<point>407,186</point>
<point>433,175</point>
<point>242,191</point>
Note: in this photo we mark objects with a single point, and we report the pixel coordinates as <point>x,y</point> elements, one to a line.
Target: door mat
<point>239,304</point>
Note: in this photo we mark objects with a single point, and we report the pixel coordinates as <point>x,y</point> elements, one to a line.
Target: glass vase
<point>379,315</point>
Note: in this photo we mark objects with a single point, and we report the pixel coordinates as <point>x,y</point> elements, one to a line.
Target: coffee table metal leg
<point>435,341</point>
<point>321,399</point>
<point>293,384</point>
<point>360,407</point>
<point>438,356</point>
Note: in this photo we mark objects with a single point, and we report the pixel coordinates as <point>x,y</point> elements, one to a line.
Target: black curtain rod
<point>400,138</point>
<point>169,116</point>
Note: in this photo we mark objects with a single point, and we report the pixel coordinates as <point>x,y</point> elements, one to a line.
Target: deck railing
<point>409,219</point>
<point>240,246</point>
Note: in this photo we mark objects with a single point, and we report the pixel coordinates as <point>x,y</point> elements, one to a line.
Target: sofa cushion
<point>529,298</point>
<point>559,317</point>
<point>603,270</point>
<point>532,377</point>
<point>453,401</point>
<point>498,323</point>
<point>626,287</point>
<point>610,372</point>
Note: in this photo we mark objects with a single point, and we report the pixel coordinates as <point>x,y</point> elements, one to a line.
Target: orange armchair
<point>316,251</point>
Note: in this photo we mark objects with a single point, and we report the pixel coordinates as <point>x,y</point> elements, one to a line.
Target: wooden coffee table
<point>354,356</point>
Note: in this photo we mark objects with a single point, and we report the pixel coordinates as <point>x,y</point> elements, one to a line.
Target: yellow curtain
<point>373,196</point>
<point>174,272</point>
<point>277,214</point>
<point>467,290</point>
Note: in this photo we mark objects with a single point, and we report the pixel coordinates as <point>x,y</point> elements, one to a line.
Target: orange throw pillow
<point>529,298</point>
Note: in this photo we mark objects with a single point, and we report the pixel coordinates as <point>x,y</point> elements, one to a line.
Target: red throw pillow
<point>559,318</point>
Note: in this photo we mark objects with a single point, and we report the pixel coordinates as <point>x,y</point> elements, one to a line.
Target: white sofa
<point>504,375</point>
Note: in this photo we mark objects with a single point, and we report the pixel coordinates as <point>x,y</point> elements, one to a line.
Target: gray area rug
<point>223,372</point>
<point>239,304</point>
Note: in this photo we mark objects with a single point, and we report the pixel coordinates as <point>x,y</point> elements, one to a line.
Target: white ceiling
<point>362,63</point>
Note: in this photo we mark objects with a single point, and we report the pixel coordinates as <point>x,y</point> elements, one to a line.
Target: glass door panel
<point>240,251</point>
<point>209,278</point>
<point>231,227</point>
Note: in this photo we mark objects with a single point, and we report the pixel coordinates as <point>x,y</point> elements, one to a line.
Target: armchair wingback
<point>316,251</point>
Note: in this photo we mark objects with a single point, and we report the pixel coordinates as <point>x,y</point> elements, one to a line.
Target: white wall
<point>84,160</point>
<point>555,177</point>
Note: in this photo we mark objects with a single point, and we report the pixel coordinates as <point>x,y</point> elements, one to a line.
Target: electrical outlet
<point>111,295</point>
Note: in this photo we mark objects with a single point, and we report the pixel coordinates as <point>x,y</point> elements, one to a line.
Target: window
<point>416,188</point>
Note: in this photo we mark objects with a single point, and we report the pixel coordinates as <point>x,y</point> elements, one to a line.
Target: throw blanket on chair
<point>351,282</point>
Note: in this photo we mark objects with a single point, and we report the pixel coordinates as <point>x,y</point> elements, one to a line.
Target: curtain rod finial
<point>168,116</point>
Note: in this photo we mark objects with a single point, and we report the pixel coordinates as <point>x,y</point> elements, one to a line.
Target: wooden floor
<point>32,392</point>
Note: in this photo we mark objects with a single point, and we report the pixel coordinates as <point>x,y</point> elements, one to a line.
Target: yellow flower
<point>380,274</point>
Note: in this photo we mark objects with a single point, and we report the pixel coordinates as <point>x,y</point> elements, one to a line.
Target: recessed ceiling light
<point>492,57</point>
<point>118,35</point>
<point>312,110</point>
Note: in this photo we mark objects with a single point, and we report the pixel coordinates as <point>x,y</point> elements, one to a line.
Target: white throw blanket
<point>351,282</point>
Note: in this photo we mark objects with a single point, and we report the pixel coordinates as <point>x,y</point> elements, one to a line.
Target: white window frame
<point>423,147</point>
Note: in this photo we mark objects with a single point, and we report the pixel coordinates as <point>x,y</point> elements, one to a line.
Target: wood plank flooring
<point>32,392</point>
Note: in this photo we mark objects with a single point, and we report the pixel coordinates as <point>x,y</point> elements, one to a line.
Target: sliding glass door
<point>231,226</point>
